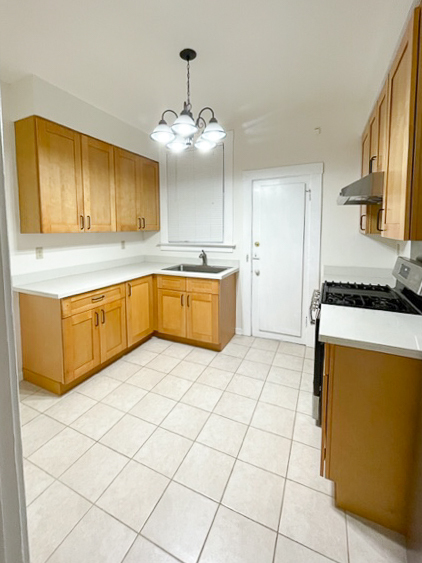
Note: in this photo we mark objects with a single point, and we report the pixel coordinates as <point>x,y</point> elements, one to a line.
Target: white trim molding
<point>313,174</point>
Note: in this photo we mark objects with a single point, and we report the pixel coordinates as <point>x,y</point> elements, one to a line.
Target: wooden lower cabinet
<point>81,343</point>
<point>202,317</point>
<point>171,312</point>
<point>371,405</point>
<point>113,329</point>
<point>139,309</point>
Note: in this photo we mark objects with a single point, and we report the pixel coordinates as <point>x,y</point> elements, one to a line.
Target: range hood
<point>366,191</point>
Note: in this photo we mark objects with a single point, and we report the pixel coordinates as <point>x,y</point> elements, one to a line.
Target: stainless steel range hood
<point>366,191</point>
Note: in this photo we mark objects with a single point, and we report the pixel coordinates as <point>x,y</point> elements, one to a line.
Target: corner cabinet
<point>69,182</point>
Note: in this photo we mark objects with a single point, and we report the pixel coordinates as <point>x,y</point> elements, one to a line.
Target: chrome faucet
<point>204,258</point>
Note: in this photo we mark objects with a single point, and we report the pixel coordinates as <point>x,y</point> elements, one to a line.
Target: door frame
<point>312,269</point>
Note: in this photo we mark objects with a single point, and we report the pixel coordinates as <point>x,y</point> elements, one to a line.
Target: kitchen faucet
<point>204,258</point>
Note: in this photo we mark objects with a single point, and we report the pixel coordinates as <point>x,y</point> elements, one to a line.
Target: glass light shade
<point>178,144</point>
<point>204,145</point>
<point>162,133</point>
<point>184,126</point>
<point>213,131</point>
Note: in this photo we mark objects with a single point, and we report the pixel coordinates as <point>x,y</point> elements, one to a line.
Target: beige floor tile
<point>185,420</point>
<point>157,345</point>
<point>255,493</point>
<point>164,451</point>
<point>242,340</point>
<point>124,397</point>
<point>284,376</point>
<point>304,403</point>
<point>98,538</point>
<point>274,419</point>
<point>202,396</point>
<point>223,434</point>
<point>304,468</point>
<point>146,378</point>
<point>370,542</point>
<point>51,517</point>
<point>97,421</point>
<point>306,431</point>
<point>128,435</point>
<point>310,518</point>
<point>236,539</point>
<point>265,344</point>
<point>201,356</point>
<point>163,363</point>
<point>145,551</point>
<point>308,366</point>
<point>265,450</point>
<point>226,363</point>
<point>310,353</point>
<point>235,407</point>
<point>38,432</point>
<point>71,407</point>
<point>41,400</point>
<point>27,413</point>
<point>36,481</point>
<point>153,408</point>
<point>245,386</point>
<point>178,350</point>
<point>172,387</point>
<point>235,350</point>
<point>133,495</point>
<point>206,471</point>
<point>214,377</point>
<point>256,370</point>
<point>59,453</point>
<point>120,370</point>
<point>94,471</point>
<point>280,395</point>
<point>288,551</point>
<point>98,386</point>
<point>140,356</point>
<point>26,389</point>
<point>260,356</point>
<point>182,536</point>
<point>288,361</point>
<point>188,370</point>
<point>307,382</point>
<point>292,348</point>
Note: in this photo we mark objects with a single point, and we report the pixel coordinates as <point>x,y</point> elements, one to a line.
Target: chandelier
<point>185,131</point>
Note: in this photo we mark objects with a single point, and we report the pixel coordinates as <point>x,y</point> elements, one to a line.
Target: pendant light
<point>181,134</point>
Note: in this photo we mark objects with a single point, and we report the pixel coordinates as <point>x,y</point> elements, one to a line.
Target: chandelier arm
<point>203,109</point>
<point>169,110</point>
<point>200,122</point>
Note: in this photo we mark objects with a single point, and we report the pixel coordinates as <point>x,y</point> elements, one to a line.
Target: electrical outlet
<point>123,244</point>
<point>39,252</point>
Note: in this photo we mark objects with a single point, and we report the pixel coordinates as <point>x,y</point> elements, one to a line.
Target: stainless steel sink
<point>199,269</point>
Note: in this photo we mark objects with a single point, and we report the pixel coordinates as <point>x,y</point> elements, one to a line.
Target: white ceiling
<point>253,57</point>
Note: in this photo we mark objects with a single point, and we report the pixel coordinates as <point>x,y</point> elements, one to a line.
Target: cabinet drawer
<point>87,301</point>
<point>197,285</point>
<point>173,283</point>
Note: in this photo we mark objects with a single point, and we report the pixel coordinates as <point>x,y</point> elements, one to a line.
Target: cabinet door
<point>139,309</point>
<point>372,211</point>
<point>171,312</point>
<point>364,172</point>
<point>98,184</point>
<point>128,190</point>
<point>382,113</point>
<point>149,208</point>
<point>113,329</point>
<point>401,117</point>
<point>60,177</point>
<point>81,344</point>
<point>202,317</point>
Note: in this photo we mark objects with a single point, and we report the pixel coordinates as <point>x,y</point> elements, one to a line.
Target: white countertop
<point>65,286</point>
<point>382,331</point>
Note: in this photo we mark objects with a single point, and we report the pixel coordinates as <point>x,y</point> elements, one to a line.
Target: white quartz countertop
<point>65,286</point>
<point>382,331</point>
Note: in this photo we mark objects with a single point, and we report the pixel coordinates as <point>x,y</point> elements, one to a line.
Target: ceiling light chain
<point>181,134</point>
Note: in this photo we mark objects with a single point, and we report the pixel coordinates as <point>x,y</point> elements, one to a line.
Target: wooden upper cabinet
<point>139,309</point>
<point>127,190</point>
<point>364,172</point>
<point>149,204</point>
<point>98,185</point>
<point>50,177</point>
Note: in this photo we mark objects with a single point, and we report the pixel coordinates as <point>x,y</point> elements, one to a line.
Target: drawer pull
<point>102,316</point>
<point>98,298</point>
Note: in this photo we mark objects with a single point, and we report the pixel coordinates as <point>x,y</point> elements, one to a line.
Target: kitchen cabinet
<point>82,347</point>
<point>113,329</point>
<point>137,197</point>
<point>69,182</point>
<point>139,309</point>
<point>364,171</point>
<point>202,317</point>
<point>371,404</point>
<point>171,312</point>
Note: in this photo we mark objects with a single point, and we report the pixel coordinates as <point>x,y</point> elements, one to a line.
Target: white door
<point>278,236</point>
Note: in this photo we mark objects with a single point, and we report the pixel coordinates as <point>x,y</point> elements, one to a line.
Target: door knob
<point>257,272</point>
<point>257,243</point>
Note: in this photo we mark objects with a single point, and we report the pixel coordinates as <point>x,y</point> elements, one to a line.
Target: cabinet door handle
<point>361,221</point>
<point>379,219</point>
<point>130,289</point>
<point>144,222</point>
<point>102,316</point>
<point>82,222</point>
<point>139,223</point>
<point>88,217</point>
<point>181,299</point>
<point>98,298</point>
<point>188,300</point>
<point>97,319</point>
